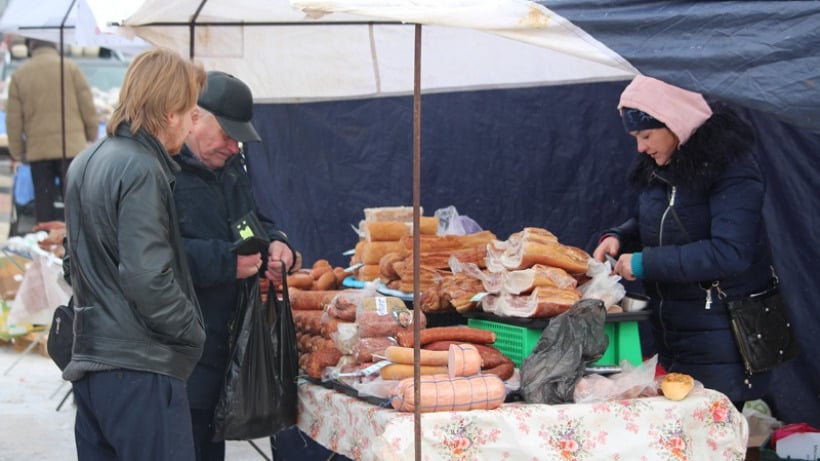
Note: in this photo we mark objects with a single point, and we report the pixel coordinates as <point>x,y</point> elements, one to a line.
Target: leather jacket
<point>134,299</point>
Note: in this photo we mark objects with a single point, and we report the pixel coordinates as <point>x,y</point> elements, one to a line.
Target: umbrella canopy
<point>350,55</point>
<point>61,21</point>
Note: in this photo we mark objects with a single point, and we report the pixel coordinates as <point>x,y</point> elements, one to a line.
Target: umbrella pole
<point>63,164</point>
<point>417,240</point>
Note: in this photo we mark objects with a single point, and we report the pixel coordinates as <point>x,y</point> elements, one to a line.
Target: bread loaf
<point>676,386</point>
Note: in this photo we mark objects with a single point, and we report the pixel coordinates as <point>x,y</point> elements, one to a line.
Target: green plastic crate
<point>517,342</point>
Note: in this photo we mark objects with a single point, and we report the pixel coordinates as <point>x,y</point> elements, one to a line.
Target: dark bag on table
<point>762,330</point>
<point>259,394</point>
<point>61,335</point>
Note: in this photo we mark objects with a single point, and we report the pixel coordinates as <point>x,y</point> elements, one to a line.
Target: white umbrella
<point>68,22</point>
<point>364,51</point>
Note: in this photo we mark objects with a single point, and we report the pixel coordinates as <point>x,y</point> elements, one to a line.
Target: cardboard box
<point>11,275</point>
<point>24,341</point>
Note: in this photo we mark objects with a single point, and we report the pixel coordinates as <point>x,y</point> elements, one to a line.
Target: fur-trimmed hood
<point>723,138</point>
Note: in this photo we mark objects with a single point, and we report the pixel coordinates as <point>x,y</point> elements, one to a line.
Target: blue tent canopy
<point>556,156</point>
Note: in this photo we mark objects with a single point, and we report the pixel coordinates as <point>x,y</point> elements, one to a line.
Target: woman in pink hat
<point>697,239</point>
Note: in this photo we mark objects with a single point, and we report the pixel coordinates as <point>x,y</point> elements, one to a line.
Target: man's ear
<point>196,114</point>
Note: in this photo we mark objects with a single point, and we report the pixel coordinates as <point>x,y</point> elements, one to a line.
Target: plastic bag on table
<point>451,223</point>
<point>602,285</point>
<point>570,341</point>
<point>259,396</point>
<point>632,382</point>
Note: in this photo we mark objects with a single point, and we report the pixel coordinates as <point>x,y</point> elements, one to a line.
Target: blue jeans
<point>125,415</point>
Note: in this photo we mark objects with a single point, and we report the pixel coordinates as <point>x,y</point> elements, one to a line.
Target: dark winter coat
<point>135,303</point>
<point>699,225</point>
<point>208,202</point>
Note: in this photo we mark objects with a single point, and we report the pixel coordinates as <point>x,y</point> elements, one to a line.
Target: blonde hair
<point>158,81</point>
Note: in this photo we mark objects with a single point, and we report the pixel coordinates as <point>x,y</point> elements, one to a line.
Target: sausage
<point>310,300</point>
<point>463,360</point>
<point>308,322</point>
<point>503,371</point>
<point>317,361</point>
<point>398,354</point>
<point>442,393</point>
<point>300,280</point>
<point>460,333</point>
<point>490,356</point>
<point>363,350</point>
<point>326,281</point>
<point>396,371</point>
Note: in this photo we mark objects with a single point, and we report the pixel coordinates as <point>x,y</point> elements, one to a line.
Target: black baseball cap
<point>231,102</point>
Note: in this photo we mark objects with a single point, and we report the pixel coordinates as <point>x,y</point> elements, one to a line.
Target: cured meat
<point>308,321</point>
<point>573,260</point>
<point>428,225</point>
<point>310,300</point>
<point>372,252</point>
<point>449,243</point>
<point>441,393</point>
<point>382,316</point>
<point>458,290</point>
<point>539,275</point>
<point>385,231</point>
<point>368,272</point>
<point>386,269</point>
<point>317,361</point>
<point>490,356</point>
<point>543,302</point>
<point>458,333</point>
<point>365,348</point>
<point>344,304</point>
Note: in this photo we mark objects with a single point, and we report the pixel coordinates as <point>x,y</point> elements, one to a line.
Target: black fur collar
<point>698,163</point>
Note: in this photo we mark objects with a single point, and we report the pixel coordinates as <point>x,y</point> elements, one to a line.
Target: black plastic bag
<point>259,395</point>
<point>570,341</point>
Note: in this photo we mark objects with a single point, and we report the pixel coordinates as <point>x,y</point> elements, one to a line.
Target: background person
<point>34,121</point>
<point>698,221</point>
<point>212,191</point>
<point>138,327</point>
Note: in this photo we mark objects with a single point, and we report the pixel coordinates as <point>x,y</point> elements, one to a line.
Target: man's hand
<point>248,265</point>
<point>278,253</point>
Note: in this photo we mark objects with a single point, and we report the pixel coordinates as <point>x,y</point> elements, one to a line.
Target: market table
<point>704,426</point>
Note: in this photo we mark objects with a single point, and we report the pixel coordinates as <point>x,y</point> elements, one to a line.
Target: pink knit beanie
<point>682,111</point>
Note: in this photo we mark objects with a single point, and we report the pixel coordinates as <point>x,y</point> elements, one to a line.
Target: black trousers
<point>47,177</point>
<point>292,444</point>
<point>125,415</point>
<point>206,448</point>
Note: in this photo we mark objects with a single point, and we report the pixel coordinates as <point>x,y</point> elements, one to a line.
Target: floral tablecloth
<point>704,426</point>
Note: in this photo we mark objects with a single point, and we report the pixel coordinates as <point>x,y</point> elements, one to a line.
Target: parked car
<point>104,69</point>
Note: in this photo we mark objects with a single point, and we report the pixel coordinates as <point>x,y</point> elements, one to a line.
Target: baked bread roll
<point>676,386</point>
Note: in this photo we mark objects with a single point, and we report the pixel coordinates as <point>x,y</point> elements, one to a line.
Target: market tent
<point>543,152</point>
<point>342,56</point>
<point>61,21</point>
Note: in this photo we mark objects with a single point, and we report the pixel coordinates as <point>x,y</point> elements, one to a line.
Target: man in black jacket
<point>138,328</point>
<point>212,192</point>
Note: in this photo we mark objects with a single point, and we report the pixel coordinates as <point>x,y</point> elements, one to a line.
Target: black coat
<point>208,202</point>
<point>135,304</point>
<point>698,223</point>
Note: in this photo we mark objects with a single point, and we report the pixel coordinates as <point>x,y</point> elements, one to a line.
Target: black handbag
<point>762,330</point>
<point>61,335</point>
